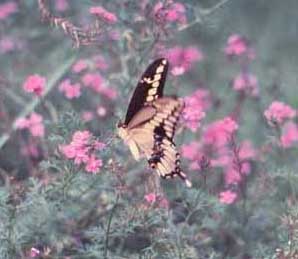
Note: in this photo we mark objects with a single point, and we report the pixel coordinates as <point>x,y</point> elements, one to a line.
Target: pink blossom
<point>79,66</point>
<point>101,63</point>
<point>82,150</point>
<point>30,150</point>
<point>93,81</point>
<point>34,252</point>
<point>93,165</point>
<point>103,14</point>
<point>61,5</point>
<point>70,91</point>
<point>34,84</point>
<point>7,44</point>
<point>247,83</point>
<point>238,46</point>
<point>191,151</point>
<point>279,112</point>
<point>247,151</point>
<point>227,197</point>
<point>101,111</point>
<point>218,132</point>
<point>34,124</point>
<point>289,135</point>
<point>170,12</point>
<point>233,176</point>
<point>109,92</point>
<point>22,123</point>
<point>87,116</point>
<point>182,59</point>
<point>150,198</point>
<point>195,105</point>
<point>7,9</point>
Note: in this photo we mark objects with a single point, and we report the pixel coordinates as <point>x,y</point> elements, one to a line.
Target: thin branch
<point>31,106</point>
<point>203,13</point>
<point>79,35</point>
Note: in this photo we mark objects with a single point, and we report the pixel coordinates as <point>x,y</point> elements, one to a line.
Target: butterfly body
<point>150,123</point>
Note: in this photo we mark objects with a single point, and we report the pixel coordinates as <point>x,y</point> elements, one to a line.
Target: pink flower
<point>289,135</point>
<point>34,252</point>
<point>195,105</point>
<point>218,132</point>
<point>109,92</point>
<point>278,112</point>
<point>82,151</point>
<point>7,44</point>
<point>87,116</point>
<point>103,14</point>
<point>93,165</point>
<point>227,197</point>
<point>101,111</point>
<point>34,124</point>
<point>238,46</point>
<point>247,151</point>
<point>70,91</point>
<point>61,5</point>
<point>181,59</point>
<point>150,198</point>
<point>93,81</point>
<point>22,123</point>
<point>247,83</point>
<point>7,9</point>
<point>79,66</point>
<point>232,176</point>
<point>191,151</point>
<point>170,12</point>
<point>101,63</point>
<point>35,84</point>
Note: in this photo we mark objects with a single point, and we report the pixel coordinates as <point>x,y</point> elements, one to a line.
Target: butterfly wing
<point>154,136</point>
<point>149,88</point>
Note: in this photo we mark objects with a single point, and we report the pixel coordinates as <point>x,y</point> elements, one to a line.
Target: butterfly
<point>150,123</point>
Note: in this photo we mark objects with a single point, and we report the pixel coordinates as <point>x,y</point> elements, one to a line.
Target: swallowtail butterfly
<point>150,123</point>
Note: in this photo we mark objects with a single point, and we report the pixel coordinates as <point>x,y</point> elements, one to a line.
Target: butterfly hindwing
<point>149,88</point>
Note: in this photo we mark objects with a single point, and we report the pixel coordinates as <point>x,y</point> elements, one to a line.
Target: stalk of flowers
<point>82,150</point>
<point>238,48</point>
<point>33,123</point>
<point>182,59</point>
<point>195,106</point>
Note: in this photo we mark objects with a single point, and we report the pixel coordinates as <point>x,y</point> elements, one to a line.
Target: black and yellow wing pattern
<point>151,121</point>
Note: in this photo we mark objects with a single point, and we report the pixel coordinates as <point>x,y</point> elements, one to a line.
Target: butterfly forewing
<point>149,88</point>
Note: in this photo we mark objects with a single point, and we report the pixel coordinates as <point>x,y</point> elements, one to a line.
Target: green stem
<point>109,226</point>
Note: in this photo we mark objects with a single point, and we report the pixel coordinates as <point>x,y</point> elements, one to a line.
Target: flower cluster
<point>247,83</point>
<point>34,123</point>
<point>82,150</point>
<point>278,113</point>
<point>7,9</point>
<point>70,91</point>
<point>103,14</point>
<point>215,145</point>
<point>156,200</point>
<point>182,59</point>
<point>34,84</point>
<point>195,106</point>
<point>238,46</point>
<point>170,12</point>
